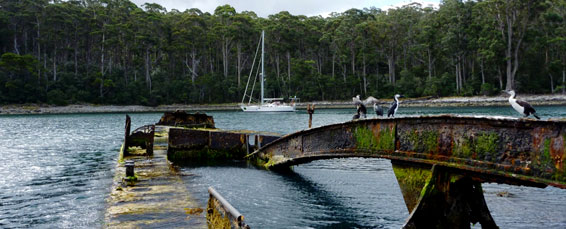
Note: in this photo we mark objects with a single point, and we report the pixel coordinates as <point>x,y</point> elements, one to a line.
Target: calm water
<point>56,171</point>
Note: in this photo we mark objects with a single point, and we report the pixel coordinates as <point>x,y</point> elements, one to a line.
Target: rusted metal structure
<point>221,214</point>
<point>183,119</point>
<point>310,111</point>
<point>141,137</point>
<point>439,161</point>
<point>186,145</point>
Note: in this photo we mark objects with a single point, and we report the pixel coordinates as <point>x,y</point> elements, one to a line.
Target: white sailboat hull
<point>267,108</point>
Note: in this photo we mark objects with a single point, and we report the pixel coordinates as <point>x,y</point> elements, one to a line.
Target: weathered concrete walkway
<point>157,199</point>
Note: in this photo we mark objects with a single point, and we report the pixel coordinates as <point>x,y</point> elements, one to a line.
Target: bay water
<point>56,172</point>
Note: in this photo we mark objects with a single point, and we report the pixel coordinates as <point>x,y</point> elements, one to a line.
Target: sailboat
<point>265,104</point>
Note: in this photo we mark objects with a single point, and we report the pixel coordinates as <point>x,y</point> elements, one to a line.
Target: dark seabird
<point>394,106</point>
<point>521,106</point>
<point>378,109</point>
<point>356,116</point>
<point>361,105</point>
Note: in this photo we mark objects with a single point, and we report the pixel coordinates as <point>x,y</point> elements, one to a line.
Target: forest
<point>115,52</point>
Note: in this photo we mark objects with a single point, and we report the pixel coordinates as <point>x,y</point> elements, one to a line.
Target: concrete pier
<point>157,198</point>
<point>153,195</point>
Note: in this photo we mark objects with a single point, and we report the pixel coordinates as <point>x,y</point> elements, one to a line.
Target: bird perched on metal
<point>394,106</point>
<point>521,106</point>
<point>361,105</point>
<point>378,109</point>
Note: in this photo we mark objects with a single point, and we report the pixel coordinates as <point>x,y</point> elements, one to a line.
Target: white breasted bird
<point>521,106</point>
<point>394,106</point>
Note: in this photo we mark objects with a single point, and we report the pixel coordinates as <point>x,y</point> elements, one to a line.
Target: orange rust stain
<point>557,152</point>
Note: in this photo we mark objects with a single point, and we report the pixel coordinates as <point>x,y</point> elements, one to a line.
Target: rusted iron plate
<point>142,137</point>
<point>186,144</point>
<point>266,139</point>
<point>187,138</point>
<point>528,150</point>
<point>227,140</point>
<point>183,119</point>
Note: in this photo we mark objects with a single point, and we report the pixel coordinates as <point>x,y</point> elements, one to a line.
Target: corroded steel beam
<point>185,145</point>
<point>494,149</point>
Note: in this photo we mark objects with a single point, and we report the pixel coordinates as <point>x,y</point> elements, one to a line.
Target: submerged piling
<point>310,110</point>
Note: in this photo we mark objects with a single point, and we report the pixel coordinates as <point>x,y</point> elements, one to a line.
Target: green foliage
<point>57,97</point>
<point>488,89</point>
<point>114,52</point>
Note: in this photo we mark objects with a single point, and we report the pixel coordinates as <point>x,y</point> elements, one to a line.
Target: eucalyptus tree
<point>552,22</point>
<point>513,19</point>
<point>224,30</point>
<point>188,32</point>
<point>455,17</point>
<point>489,47</point>
<point>245,37</point>
<point>149,31</point>
<point>427,40</point>
<point>283,30</point>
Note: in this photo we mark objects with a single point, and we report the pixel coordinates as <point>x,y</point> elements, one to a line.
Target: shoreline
<point>535,100</point>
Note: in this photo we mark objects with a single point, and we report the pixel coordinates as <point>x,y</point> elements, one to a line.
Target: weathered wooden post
<point>127,132</point>
<point>310,110</point>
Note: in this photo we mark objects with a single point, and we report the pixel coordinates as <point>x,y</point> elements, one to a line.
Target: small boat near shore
<point>265,104</point>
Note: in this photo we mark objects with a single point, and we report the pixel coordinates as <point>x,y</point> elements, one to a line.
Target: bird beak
<point>401,96</point>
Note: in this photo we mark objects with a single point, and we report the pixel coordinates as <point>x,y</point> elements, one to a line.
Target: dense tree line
<point>114,52</point>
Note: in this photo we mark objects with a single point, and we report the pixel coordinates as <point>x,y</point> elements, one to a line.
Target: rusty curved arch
<point>494,149</point>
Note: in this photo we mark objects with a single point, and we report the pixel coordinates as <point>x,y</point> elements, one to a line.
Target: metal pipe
<point>227,206</point>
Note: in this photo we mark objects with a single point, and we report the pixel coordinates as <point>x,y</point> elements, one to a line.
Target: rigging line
<point>251,71</point>
<point>253,86</point>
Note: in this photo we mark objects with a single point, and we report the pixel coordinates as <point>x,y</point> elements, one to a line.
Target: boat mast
<point>262,72</point>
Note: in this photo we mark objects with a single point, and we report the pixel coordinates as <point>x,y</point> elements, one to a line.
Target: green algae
<point>482,145</point>
<point>412,176</point>
<point>205,154</point>
<point>462,148</point>
<point>411,181</point>
<point>215,219</point>
<point>545,159</point>
<point>425,141</point>
<point>386,140</point>
<point>131,178</point>
<point>486,144</point>
<point>365,139</point>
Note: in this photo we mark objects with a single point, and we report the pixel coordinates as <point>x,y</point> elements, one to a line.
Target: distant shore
<point>535,100</point>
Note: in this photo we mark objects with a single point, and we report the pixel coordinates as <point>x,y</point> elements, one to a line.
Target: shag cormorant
<point>378,109</point>
<point>394,106</point>
<point>521,106</point>
<point>361,106</point>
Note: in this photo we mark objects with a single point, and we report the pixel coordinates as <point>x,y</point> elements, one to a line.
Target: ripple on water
<point>57,171</point>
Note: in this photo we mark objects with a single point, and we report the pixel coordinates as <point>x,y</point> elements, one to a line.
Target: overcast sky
<point>263,8</point>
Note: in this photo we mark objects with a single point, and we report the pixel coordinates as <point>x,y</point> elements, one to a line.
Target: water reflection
<point>56,172</point>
